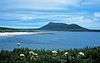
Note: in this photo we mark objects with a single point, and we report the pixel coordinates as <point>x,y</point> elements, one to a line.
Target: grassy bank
<point>25,55</point>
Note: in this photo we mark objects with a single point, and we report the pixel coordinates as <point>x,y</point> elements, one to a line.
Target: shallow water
<point>55,40</point>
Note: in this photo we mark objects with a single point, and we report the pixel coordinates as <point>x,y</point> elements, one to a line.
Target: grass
<point>91,55</point>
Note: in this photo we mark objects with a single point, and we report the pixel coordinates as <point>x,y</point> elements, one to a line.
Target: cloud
<point>91,2</point>
<point>48,2</point>
<point>39,4</point>
<point>82,12</point>
<point>26,17</point>
<point>97,14</point>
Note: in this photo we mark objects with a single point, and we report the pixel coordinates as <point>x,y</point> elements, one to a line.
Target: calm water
<point>63,40</point>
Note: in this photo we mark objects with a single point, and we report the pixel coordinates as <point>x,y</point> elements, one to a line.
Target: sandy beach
<point>18,33</point>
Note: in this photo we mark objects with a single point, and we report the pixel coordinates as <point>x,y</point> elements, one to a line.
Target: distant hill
<point>5,29</point>
<point>63,27</point>
<point>50,27</point>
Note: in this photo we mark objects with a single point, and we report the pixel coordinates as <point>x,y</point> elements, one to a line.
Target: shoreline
<point>19,33</point>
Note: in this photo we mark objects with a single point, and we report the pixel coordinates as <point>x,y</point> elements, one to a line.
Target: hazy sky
<point>36,13</point>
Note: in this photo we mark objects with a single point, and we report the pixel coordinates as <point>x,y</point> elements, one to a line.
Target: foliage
<point>91,55</point>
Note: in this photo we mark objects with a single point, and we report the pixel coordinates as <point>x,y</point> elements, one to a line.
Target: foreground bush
<point>25,55</point>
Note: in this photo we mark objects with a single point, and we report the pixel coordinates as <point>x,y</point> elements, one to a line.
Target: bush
<point>91,55</point>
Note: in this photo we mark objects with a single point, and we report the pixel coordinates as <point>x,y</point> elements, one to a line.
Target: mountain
<point>50,27</point>
<point>63,27</point>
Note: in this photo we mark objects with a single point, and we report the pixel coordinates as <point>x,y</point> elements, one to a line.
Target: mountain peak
<point>62,27</point>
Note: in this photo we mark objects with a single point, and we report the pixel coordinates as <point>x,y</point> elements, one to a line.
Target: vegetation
<point>4,29</point>
<point>62,27</point>
<point>66,27</point>
<point>25,55</point>
<point>52,27</point>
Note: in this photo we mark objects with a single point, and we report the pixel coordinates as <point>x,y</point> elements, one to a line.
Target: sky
<point>37,13</point>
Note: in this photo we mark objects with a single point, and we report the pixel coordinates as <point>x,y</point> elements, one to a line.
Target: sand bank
<point>19,33</point>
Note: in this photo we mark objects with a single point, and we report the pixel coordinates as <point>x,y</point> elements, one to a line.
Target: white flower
<point>35,54</point>
<point>54,52</point>
<point>66,53</point>
<point>22,55</point>
<point>81,53</point>
<point>31,52</point>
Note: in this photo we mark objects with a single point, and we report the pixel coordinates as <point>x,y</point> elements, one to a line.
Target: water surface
<point>55,40</point>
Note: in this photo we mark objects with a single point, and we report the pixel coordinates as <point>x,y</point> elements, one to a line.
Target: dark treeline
<point>25,55</point>
<point>5,29</point>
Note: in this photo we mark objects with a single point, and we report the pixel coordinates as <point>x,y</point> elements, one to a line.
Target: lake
<point>52,40</point>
